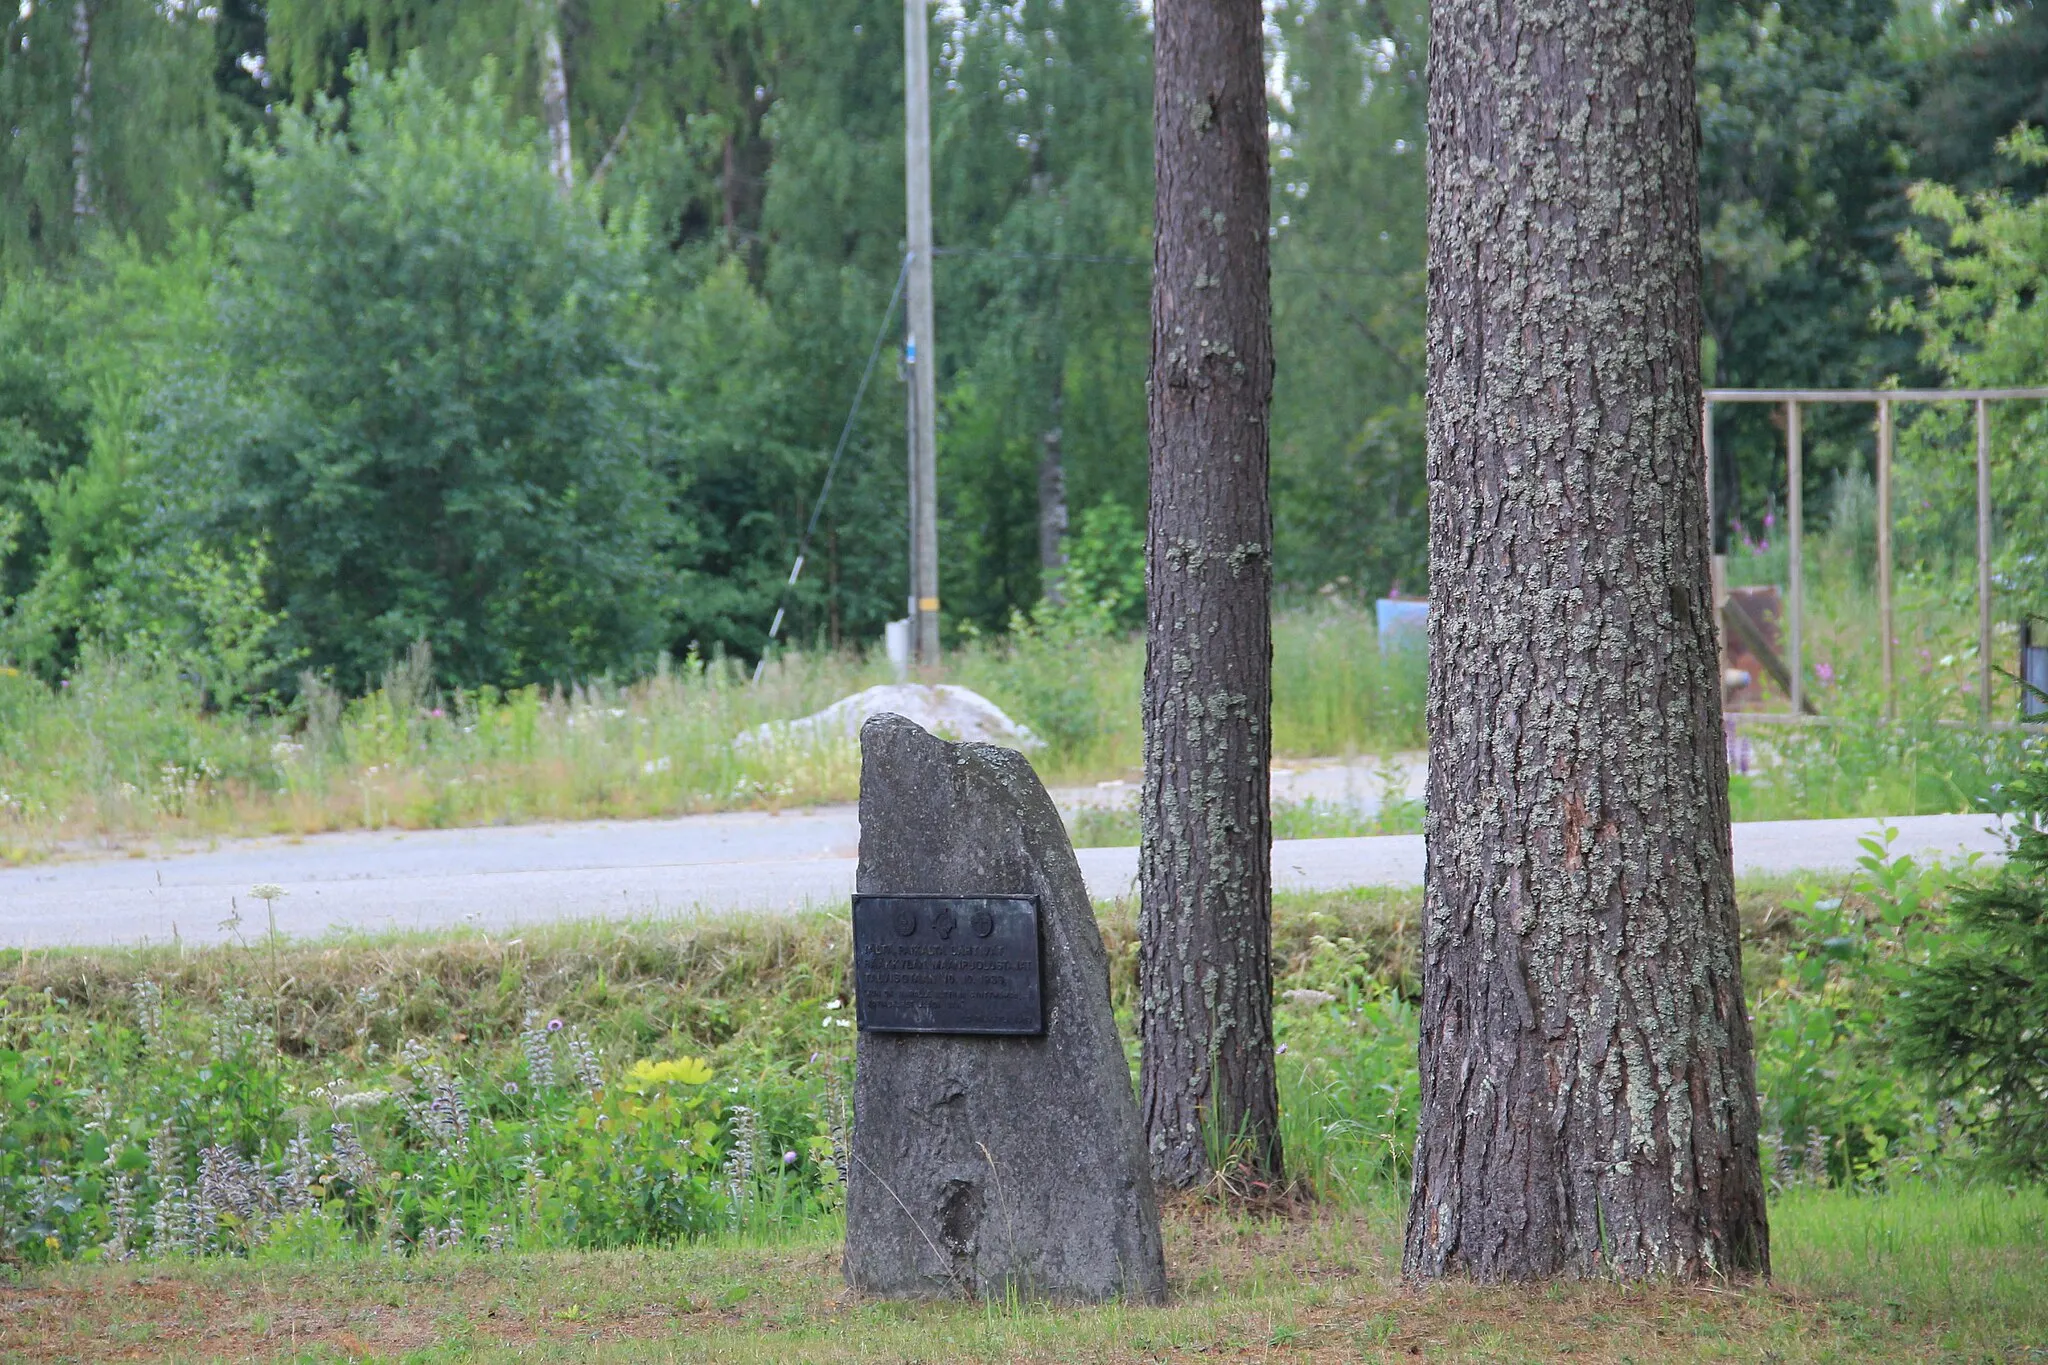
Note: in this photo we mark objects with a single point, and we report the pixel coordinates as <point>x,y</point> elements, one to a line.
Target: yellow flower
<point>52,1243</point>
<point>648,1074</point>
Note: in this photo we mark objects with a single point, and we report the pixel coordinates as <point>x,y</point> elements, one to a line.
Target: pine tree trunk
<point>1052,507</point>
<point>1588,1093</point>
<point>554,93</point>
<point>1205,873</point>
<point>81,116</point>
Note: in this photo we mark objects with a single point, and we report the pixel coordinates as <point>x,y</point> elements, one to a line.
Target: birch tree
<point>554,92</point>
<point>81,114</point>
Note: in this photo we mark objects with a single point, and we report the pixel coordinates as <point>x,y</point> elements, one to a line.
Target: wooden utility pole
<point>919,352</point>
<point>1589,1100</point>
<point>1205,869</point>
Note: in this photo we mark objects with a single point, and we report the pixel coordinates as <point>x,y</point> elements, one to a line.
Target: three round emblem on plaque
<point>983,921</point>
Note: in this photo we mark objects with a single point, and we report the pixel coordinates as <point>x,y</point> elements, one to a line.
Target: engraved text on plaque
<point>947,964</point>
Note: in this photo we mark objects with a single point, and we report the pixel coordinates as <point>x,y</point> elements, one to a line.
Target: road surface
<point>745,861</point>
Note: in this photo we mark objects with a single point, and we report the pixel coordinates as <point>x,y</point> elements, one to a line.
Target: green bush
<point>1106,565</point>
<point>427,408</point>
<point>1974,1017</point>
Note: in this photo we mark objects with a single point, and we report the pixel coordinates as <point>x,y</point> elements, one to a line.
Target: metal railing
<point>1792,399</point>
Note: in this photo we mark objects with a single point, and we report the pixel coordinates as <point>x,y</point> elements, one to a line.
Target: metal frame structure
<point>1792,399</point>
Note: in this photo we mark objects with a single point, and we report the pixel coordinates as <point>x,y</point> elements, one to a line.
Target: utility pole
<point>919,353</point>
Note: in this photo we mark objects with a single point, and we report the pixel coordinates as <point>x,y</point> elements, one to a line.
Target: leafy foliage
<point>1982,323</point>
<point>148,124</point>
<point>1836,1110</point>
<point>634,1084</point>
<point>167,384</point>
<point>1975,1016</point>
<point>431,414</point>
<point>1348,212</point>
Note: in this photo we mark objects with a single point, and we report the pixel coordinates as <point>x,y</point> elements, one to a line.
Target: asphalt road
<point>750,861</point>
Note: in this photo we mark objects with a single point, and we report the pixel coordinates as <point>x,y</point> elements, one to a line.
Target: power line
<point>832,466</point>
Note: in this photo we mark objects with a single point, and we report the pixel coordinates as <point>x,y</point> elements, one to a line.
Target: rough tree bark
<point>554,92</point>
<point>81,115</point>
<point>1205,877</point>
<point>1588,1095</point>
<point>1052,506</point>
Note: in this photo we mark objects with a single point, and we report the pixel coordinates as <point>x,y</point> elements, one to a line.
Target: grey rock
<point>983,1165</point>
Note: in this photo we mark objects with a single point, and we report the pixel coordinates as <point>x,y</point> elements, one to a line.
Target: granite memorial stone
<point>996,1145</point>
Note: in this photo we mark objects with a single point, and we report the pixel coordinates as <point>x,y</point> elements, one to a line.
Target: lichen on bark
<point>1205,975</point>
<point>1588,1093</point>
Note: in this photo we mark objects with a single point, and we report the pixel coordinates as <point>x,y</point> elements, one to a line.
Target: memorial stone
<point>1007,1158</point>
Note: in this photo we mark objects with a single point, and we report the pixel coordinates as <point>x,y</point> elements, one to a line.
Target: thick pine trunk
<point>81,115</point>
<point>1205,875</point>
<point>1588,1095</point>
<point>554,92</point>
<point>1052,507</point>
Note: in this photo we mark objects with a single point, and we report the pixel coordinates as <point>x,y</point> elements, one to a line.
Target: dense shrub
<point>1975,1016</point>
<point>430,414</point>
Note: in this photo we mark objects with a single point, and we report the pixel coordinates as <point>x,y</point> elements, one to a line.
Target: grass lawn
<point>1918,1274</point>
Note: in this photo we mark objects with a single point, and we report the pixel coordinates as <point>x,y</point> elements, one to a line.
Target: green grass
<point>1917,1275</point>
<point>1926,754</point>
<point>1972,1261</point>
<point>107,1055</point>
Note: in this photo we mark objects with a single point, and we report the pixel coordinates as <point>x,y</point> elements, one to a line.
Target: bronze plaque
<point>947,964</point>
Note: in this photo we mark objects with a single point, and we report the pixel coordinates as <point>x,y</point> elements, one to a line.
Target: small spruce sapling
<point>1975,1016</point>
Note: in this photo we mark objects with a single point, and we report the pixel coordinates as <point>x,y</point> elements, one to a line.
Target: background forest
<point>527,328</point>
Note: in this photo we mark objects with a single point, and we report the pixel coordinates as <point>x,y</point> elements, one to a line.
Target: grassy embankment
<point>1886,1247</point>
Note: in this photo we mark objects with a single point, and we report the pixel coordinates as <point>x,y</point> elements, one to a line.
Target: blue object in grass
<point>1404,623</point>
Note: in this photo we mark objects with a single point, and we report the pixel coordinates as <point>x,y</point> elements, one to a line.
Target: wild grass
<point>122,752</point>
<point>574,1085</point>
<point>1916,750</point>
